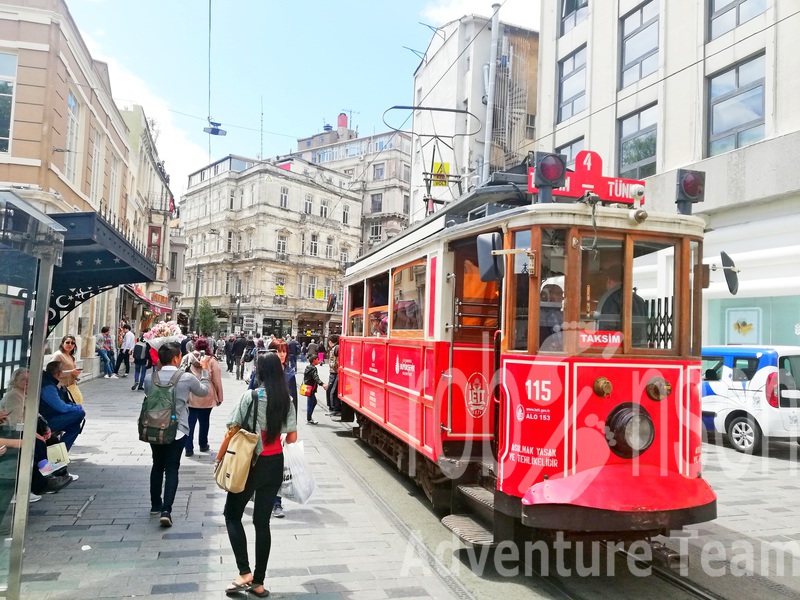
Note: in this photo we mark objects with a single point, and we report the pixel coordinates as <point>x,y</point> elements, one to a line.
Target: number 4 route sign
<point>588,177</point>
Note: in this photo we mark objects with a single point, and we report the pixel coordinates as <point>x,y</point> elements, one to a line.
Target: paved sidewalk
<point>96,538</point>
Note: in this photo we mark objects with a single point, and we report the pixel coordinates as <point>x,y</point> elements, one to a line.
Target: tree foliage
<point>206,319</point>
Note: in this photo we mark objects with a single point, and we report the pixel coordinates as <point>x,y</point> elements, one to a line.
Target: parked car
<point>751,392</point>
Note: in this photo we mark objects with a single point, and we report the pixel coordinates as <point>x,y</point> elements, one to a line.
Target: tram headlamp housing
<point>629,430</point>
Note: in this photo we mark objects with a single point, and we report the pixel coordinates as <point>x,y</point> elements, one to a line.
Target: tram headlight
<point>629,430</point>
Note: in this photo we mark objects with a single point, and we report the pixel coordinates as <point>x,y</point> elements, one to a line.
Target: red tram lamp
<point>550,172</point>
<point>691,187</point>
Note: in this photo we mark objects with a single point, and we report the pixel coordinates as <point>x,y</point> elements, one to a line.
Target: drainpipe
<point>487,140</point>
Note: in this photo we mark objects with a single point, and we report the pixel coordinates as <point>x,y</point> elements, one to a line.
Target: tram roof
<point>492,203</point>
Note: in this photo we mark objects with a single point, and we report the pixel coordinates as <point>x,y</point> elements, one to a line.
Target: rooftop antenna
<point>350,112</point>
<point>261,149</point>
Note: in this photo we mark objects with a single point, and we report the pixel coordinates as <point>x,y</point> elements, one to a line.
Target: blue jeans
<point>71,423</point>
<point>166,463</point>
<point>197,414</point>
<point>106,362</point>
<point>140,370</point>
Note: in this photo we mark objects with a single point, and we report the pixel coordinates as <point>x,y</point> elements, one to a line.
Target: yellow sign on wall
<point>440,173</point>
<point>319,294</point>
<point>280,290</point>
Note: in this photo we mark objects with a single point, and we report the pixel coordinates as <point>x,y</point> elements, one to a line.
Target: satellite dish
<point>731,273</point>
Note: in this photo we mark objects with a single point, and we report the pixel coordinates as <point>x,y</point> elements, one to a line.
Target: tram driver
<point>609,307</point>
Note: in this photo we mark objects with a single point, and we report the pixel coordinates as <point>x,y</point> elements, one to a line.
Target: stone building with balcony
<point>379,168</point>
<point>267,242</point>
<point>65,149</point>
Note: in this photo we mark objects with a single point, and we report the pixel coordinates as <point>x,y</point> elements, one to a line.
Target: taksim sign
<point>588,177</point>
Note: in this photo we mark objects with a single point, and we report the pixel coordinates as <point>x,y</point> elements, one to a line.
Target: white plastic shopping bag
<point>298,482</point>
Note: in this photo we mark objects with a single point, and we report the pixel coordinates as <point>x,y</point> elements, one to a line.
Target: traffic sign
<point>588,177</point>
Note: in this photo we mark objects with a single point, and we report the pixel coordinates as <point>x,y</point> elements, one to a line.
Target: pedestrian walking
<point>334,404</point>
<point>200,406</point>
<point>141,361</point>
<point>303,352</point>
<point>275,415</point>
<point>125,350</point>
<point>104,346</point>
<point>294,351</point>
<point>312,382</point>
<point>167,457</point>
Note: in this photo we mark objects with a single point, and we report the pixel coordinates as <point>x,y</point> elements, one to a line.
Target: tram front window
<point>551,290</point>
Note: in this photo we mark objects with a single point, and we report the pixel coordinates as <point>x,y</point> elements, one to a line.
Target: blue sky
<point>306,60</point>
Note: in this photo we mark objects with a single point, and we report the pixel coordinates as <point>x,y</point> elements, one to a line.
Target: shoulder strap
<point>176,377</point>
<point>254,403</point>
<point>156,378</point>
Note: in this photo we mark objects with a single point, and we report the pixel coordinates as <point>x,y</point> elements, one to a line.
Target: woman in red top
<point>275,415</point>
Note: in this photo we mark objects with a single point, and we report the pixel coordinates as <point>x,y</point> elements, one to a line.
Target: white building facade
<point>656,86</point>
<point>269,241</point>
<point>454,75</point>
<point>379,168</point>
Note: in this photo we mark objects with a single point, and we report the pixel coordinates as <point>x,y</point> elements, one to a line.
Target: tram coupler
<point>665,556</point>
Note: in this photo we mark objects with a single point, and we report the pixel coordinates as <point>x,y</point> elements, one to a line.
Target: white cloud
<point>524,13</point>
<point>180,155</point>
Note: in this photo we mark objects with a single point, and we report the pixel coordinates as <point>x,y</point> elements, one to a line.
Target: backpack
<point>250,355</point>
<point>140,351</point>
<point>158,421</point>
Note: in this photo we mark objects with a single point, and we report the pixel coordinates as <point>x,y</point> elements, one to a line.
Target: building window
<point>227,283</point>
<point>375,231</point>
<point>73,125</point>
<point>173,265</point>
<point>736,107</point>
<point>313,247</point>
<point>406,173</point>
<point>239,243</point>
<point>96,180</point>
<point>343,257</point>
<point>726,15</point>
<point>328,287</point>
<point>572,85</point>
<point>280,244</point>
<point>637,144</point>
<point>284,203</point>
<point>300,285</point>
<point>406,204</point>
<point>570,151</point>
<point>345,215</point>
<point>309,206</point>
<point>640,43</point>
<point>8,76</point>
<point>312,285</point>
<point>377,202</point>
<point>378,171</point>
<point>530,126</point>
<point>323,207</point>
<point>329,248</point>
<point>113,183</point>
<point>572,13</point>
<point>302,243</point>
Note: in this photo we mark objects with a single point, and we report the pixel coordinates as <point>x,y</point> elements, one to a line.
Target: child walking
<point>312,381</point>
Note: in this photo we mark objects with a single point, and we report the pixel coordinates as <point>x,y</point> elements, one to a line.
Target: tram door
<point>475,317</point>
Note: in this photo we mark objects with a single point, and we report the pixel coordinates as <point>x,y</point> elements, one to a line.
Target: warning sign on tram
<point>588,177</point>
<point>440,172</point>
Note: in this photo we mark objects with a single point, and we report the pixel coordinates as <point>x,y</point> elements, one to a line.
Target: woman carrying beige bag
<point>200,407</point>
<point>69,371</point>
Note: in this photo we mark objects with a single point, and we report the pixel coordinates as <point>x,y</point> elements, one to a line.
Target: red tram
<point>535,365</point>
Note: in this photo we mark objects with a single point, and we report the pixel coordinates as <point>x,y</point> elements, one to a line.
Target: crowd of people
<point>269,365</point>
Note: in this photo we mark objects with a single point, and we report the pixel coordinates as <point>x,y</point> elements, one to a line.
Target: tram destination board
<point>588,177</point>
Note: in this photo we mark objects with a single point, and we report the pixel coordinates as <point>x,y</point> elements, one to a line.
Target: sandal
<point>235,588</point>
<point>262,594</point>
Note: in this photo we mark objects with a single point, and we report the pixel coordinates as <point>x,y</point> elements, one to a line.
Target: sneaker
<point>312,422</point>
<point>74,477</point>
<point>140,388</point>
<point>336,413</point>
<point>31,498</point>
<point>125,375</point>
<point>106,376</point>
<point>133,387</point>
<point>155,510</point>
<point>190,453</point>
<point>166,519</point>
<point>205,448</point>
<point>277,511</point>
<point>115,376</point>
<point>54,484</point>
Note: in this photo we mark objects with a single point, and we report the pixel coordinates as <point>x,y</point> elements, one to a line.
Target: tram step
<point>480,501</point>
<point>469,530</point>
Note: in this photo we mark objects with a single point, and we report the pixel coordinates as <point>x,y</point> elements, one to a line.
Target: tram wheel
<point>745,435</point>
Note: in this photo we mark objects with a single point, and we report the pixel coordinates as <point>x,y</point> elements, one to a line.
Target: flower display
<point>163,333</point>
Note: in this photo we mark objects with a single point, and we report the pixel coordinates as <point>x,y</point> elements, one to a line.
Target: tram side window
<point>522,239</point>
<point>355,311</point>
<point>552,267</point>
<point>378,307</point>
<point>479,310</point>
<point>654,319</point>
<point>408,306</point>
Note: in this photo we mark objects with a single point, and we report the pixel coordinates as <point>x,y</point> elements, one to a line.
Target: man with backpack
<point>141,361</point>
<point>168,387</point>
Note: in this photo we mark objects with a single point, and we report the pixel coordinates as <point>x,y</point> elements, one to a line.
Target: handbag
<point>298,482</point>
<point>57,455</point>
<point>306,390</point>
<point>235,456</point>
<point>75,392</point>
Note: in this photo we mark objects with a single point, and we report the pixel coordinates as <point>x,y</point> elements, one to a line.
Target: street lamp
<point>238,301</point>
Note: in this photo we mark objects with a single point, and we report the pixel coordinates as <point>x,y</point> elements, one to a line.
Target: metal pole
<point>487,139</point>
<point>196,297</point>
<point>239,301</point>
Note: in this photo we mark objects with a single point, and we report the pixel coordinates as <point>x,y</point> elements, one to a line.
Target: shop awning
<point>96,258</point>
<point>160,309</point>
